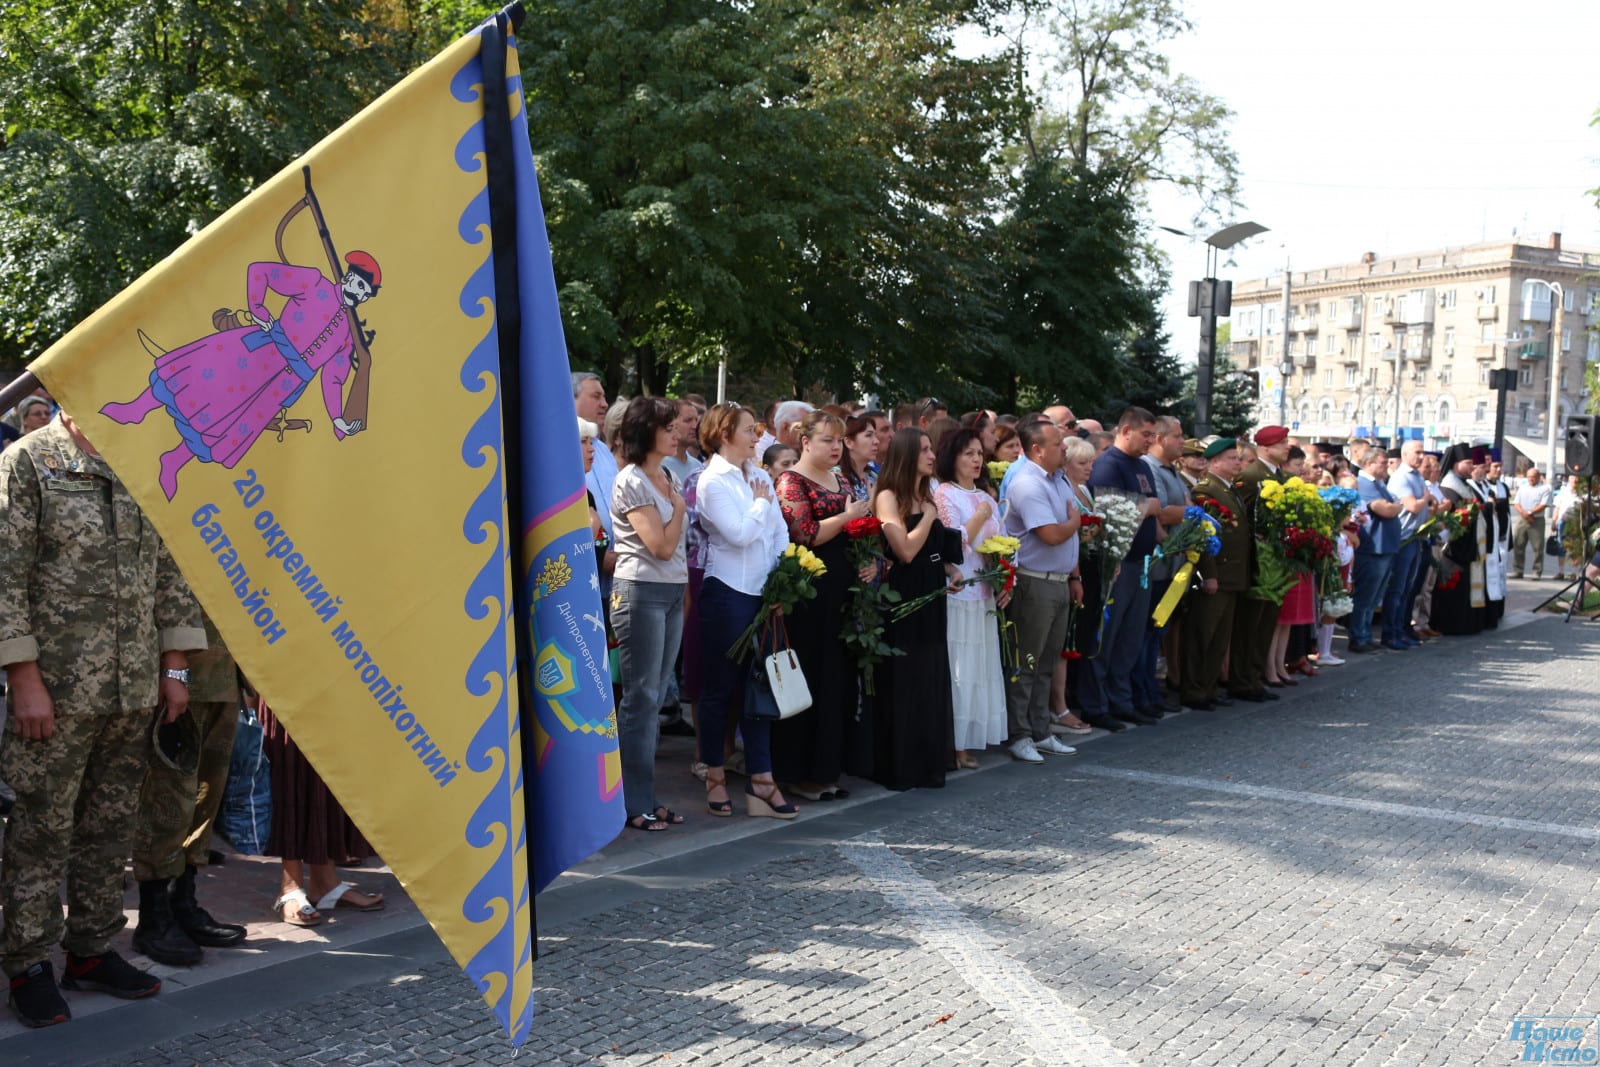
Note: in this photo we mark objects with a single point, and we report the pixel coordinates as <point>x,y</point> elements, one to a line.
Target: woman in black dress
<point>914,732</point>
<point>811,750</point>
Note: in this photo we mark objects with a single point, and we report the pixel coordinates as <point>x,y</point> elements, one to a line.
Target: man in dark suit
<point>1254,620</point>
<point>1209,622</point>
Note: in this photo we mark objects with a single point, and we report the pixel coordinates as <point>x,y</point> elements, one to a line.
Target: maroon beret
<point>1271,435</point>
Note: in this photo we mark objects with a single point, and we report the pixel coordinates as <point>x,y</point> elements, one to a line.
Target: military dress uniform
<point>1253,620</point>
<point>89,591</point>
<point>1208,626</point>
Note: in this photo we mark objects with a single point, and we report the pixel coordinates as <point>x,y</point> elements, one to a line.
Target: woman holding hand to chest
<point>745,535</point>
<point>647,591</point>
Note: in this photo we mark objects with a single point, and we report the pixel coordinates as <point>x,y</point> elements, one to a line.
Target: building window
<point>1447,299</point>
<point>1419,413</point>
<point>1349,410</point>
<point>1305,378</point>
<point>1486,294</point>
<point>1594,348</point>
<point>1444,411</point>
<point>1311,346</point>
<point>1350,375</point>
<point>1483,374</point>
<point>1563,379</point>
<point>1327,379</point>
<point>1271,347</point>
<point>1480,411</point>
<point>1526,376</point>
<point>1486,334</point>
<point>1566,340</point>
<point>1567,299</point>
<point>1444,376</point>
<point>1449,338</point>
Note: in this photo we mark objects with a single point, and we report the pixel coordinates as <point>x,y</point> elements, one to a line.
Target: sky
<point>1392,126</point>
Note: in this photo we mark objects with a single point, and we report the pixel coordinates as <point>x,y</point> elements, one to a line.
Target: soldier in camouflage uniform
<point>176,809</point>
<point>95,625</point>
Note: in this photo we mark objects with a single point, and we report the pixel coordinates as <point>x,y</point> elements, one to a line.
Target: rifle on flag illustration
<point>355,404</point>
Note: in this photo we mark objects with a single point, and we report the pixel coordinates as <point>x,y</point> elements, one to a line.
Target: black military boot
<point>196,921</point>
<point>158,934</point>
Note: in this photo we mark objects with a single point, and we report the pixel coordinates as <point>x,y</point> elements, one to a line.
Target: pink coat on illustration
<point>227,388</point>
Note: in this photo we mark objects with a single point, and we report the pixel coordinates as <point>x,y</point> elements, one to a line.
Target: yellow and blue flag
<point>346,406</point>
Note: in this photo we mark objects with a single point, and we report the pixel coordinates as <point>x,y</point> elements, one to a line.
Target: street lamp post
<point>1558,299</point>
<point>1210,299</point>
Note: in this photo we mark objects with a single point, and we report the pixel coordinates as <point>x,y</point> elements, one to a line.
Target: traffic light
<point>1580,446</point>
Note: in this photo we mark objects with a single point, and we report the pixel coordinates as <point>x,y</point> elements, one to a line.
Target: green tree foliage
<point>130,125</point>
<point>807,185</point>
<point>823,192</point>
<point>1106,98</point>
<point>1080,323</point>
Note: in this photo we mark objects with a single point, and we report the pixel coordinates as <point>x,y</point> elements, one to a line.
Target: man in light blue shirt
<point>1406,486</point>
<point>1041,514</point>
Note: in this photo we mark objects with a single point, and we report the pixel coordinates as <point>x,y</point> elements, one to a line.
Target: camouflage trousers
<point>176,810</point>
<point>77,797</point>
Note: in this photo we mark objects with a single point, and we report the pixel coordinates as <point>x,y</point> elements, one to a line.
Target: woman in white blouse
<point>648,513</point>
<point>745,534</point>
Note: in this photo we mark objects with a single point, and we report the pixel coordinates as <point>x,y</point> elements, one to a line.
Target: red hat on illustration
<point>365,265</point>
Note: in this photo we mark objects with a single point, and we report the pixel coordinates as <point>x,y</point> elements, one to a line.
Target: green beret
<point>1219,446</point>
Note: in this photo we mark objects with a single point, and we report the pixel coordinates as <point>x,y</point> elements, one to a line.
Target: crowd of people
<point>695,504</point>
<point>963,590</point>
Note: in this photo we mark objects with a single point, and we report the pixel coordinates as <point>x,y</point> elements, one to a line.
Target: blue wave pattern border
<point>497,742</point>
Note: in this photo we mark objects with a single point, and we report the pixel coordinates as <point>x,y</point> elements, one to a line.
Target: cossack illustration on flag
<point>346,406</point>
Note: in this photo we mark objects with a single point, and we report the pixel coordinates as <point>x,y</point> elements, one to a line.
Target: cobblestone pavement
<point>1382,868</point>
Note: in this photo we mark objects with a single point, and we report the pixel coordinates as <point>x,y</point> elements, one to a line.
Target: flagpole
<point>501,185</point>
<point>20,386</point>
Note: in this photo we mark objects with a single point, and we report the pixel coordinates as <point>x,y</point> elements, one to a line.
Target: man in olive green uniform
<point>1254,620</point>
<point>95,624</point>
<point>177,806</point>
<point>1208,626</point>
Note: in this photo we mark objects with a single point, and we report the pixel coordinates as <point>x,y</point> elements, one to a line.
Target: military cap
<point>1271,435</point>
<point>1219,446</point>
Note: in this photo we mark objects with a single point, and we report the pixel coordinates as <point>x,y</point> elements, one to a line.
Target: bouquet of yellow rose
<point>1295,525</point>
<point>790,583</point>
<point>1003,577</point>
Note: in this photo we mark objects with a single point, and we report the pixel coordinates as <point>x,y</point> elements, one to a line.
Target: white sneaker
<point>1330,660</point>
<point>1025,751</point>
<point>1053,747</point>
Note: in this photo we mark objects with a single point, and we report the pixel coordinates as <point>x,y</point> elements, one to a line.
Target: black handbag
<point>759,703</point>
<point>1552,545</point>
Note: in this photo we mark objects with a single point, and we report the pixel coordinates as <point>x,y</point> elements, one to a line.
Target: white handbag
<point>788,682</point>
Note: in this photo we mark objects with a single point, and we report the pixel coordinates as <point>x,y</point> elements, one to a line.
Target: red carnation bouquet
<point>1220,512</point>
<point>867,608</point>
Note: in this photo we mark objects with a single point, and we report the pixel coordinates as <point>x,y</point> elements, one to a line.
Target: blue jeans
<point>1146,690</point>
<point>724,614</point>
<point>1397,601</point>
<point>648,620</point>
<point>1371,577</point>
<point>1121,644</point>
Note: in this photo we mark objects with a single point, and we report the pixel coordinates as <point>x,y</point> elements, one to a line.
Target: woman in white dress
<point>977,686</point>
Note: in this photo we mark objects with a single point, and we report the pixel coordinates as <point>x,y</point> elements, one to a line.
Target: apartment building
<point>1422,330</point>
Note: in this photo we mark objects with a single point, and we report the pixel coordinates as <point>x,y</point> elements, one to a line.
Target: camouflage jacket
<point>212,673</point>
<point>87,588</point>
